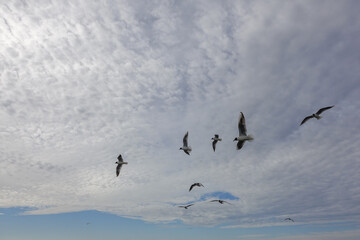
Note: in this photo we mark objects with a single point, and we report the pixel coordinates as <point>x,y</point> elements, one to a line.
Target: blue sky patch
<point>218,195</point>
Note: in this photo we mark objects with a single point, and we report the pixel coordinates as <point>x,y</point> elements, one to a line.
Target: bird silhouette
<point>220,201</point>
<point>187,149</point>
<point>288,219</point>
<point>195,184</point>
<point>186,206</point>
<point>215,140</point>
<point>242,133</point>
<point>119,163</point>
<point>316,115</point>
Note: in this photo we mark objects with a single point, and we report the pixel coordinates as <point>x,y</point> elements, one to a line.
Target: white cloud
<point>84,82</point>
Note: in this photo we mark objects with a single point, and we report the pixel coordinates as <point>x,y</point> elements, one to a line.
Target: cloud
<point>84,82</point>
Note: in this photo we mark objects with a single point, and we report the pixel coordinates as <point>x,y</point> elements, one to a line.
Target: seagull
<point>119,163</point>
<point>195,184</point>
<point>187,149</point>
<point>186,207</point>
<point>316,115</point>
<point>216,139</point>
<point>288,219</point>
<point>242,133</point>
<point>220,201</point>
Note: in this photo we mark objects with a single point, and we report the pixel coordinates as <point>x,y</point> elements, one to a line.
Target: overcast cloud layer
<point>81,82</point>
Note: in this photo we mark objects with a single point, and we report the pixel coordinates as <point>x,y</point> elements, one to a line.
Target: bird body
<point>187,149</point>
<point>195,184</point>
<point>215,140</point>
<point>119,163</point>
<point>243,136</point>
<point>316,115</point>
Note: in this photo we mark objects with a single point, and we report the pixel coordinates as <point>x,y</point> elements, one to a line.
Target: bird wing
<point>189,205</point>
<point>214,200</point>
<point>323,109</point>
<point>185,139</point>
<point>214,144</point>
<point>118,169</point>
<point>305,119</point>
<point>186,151</point>
<point>239,145</point>
<point>191,187</point>
<point>241,125</point>
<point>120,158</point>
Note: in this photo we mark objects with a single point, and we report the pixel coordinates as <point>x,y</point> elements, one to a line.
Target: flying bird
<point>288,219</point>
<point>220,201</point>
<point>119,163</point>
<point>187,149</point>
<point>242,133</point>
<point>316,115</point>
<point>215,140</point>
<point>195,184</point>
<point>186,207</point>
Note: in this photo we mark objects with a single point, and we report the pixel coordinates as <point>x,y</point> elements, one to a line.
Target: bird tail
<point>251,137</point>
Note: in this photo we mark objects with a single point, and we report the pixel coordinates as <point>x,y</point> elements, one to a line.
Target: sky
<point>84,81</point>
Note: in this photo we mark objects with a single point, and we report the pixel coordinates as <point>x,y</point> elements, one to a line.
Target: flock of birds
<point>241,139</point>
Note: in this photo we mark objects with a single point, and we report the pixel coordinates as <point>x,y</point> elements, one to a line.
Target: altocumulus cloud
<point>84,81</point>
